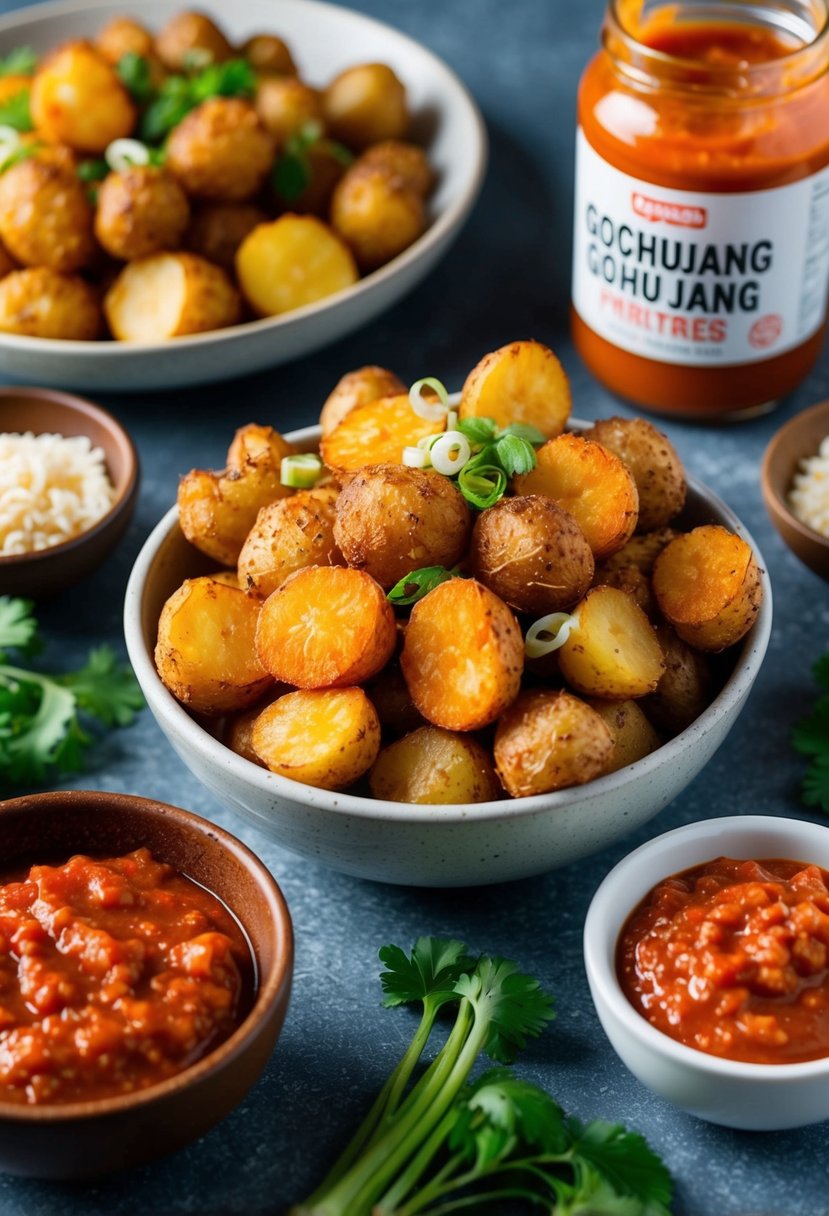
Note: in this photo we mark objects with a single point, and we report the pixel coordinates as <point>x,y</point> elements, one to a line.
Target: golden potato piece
<point>631,580</point>
<point>685,686</point>
<point>77,99</point>
<point>168,295</point>
<point>358,388</point>
<point>654,463</point>
<point>41,303</point>
<point>285,104</point>
<point>377,214</point>
<point>293,261</point>
<point>229,577</point>
<point>217,230</point>
<point>613,651</point>
<point>377,431</point>
<point>550,741</point>
<point>220,151</point>
<point>462,656</point>
<point>289,535</point>
<point>435,767</point>
<point>391,520</point>
<point>205,653</point>
<point>141,211</point>
<point>592,484</point>
<point>267,53</point>
<point>122,36</point>
<point>707,583</point>
<point>532,554</point>
<point>405,161</point>
<point>45,216</point>
<point>238,728</point>
<point>521,382</point>
<point>366,104</point>
<point>323,737</point>
<point>641,551</point>
<point>633,735</point>
<point>391,698</point>
<point>326,627</point>
<point>191,39</point>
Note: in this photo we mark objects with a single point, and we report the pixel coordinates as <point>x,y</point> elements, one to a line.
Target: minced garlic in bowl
<point>809,495</point>
<point>52,489</point>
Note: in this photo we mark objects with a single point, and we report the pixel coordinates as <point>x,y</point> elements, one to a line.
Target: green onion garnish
<point>301,472</point>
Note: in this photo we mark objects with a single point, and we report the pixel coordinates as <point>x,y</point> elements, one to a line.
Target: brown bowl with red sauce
<point>146,959</point>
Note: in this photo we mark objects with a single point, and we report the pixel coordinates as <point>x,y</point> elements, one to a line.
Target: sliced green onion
<point>416,458</point>
<point>301,471</point>
<point>549,633</point>
<point>430,411</point>
<point>121,154</point>
<point>10,146</point>
<point>452,420</point>
<point>450,452</point>
<point>482,485</point>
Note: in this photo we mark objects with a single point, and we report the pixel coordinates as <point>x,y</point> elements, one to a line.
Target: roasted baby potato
<point>168,295</point>
<point>654,463</point>
<point>238,728</point>
<point>532,554</point>
<point>549,741</point>
<point>684,688</point>
<point>391,698</point>
<point>77,99</point>
<point>323,737</point>
<point>123,36</point>
<point>592,484</point>
<point>613,651</point>
<point>383,427</point>
<point>217,230</point>
<point>205,653</point>
<point>285,104</point>
<point>7,262</point>
<point>434,766</point>
<point>358,388</point>
<point>268,54</point>
<point>45,217</point>
<point>40,303</point>
<point>631,580</point>
<point>401,160</point>
<point>366,104</point>
<point>633,735</point>
<point>392,519</point>
<point>141,211</point>
<point>377,214</point>
<point>521,382</point>
<point>463,655</point>
<point>326,627</point>
<point>707,584</point>
<point>221,151</point>
<point>289,535</point>
<point>191,39</point>
<point>293,261</point>
<point>324,165</point>
<point>641,551</point>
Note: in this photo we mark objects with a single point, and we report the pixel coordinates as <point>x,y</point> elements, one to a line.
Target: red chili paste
<point>114,974</point>
<point>731,958</point>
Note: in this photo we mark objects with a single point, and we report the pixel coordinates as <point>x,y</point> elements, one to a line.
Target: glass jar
<point>701,241</point>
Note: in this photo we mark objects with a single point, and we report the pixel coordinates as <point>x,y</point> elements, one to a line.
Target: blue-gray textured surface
<point>507,277</point>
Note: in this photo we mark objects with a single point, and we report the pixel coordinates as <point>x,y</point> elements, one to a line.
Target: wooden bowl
<point>86,1139</point>
<point>42,410</point>
<point>800,437</point>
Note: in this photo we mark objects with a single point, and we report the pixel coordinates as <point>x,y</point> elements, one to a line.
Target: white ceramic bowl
<point>325,38</point>
<point>439,846</point>
<point>755,1097</point>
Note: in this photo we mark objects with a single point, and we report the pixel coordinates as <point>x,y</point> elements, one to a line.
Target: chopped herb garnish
<point>178,95</point>
<point>412,587</point>
<point>135,73</point>
<point>22,61</point>
<point>15,112</point>
<point>92,170</point>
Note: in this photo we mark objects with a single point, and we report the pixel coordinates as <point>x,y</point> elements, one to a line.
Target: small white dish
<point>753,1097</point>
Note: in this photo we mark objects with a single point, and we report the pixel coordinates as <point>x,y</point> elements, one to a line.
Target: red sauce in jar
<point>114,974</point>
<point>731,958</point>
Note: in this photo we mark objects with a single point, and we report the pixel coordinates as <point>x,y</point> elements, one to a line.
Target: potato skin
<point>121,36</point>
<point>77,99</point>
<point>217,230</point>
<point>402,160</point>
<point>289,535</point>
<point>357,388</point>
<point>392,519</point>
<point>366,104</point>
<point>654,463</point>
<point>267,53</point>
<point>45,217</point>
<point>532,554</point>
<point>633,735</point>
<point>221,151</point>
<point>322,737</point>
<point>685,686</point>
<point>285,104</point>
<point>141,210</point>
<point>376,214</point>
<point>40,303</point>
<point>187,32</point>
<point>550,741</point>
<point>206,298</point>
<point>434,767</point>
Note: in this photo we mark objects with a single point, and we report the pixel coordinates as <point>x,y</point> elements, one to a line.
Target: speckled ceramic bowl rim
<point>748,662</point>
<point>266,994</point>
<point>79,408</point>
<point>442,223</point>
<point>769,489</point>
<point>603,973</point>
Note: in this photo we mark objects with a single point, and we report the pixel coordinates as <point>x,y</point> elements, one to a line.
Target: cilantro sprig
<point>21,61</point>
<point>447,1142</point>
<point>178,94</point>
<point>41,715</point>
<point>15,112</point>
<point>810,737</point>
<point>293,171</point>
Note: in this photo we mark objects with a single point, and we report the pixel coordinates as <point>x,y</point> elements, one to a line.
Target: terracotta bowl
<point>799,438</point>
<point>86,1139</point>
<point>42,410</point>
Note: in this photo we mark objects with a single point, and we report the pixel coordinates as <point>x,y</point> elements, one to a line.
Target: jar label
<point>698,279</point>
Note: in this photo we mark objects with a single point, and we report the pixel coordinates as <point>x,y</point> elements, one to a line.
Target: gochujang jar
<point>701,242</point>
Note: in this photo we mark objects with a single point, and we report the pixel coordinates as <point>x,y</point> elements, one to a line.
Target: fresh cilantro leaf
<point>173,103</point>
<point>627,1162</point>
<point>291,176</point>
<point>815,786</point>
<point>433,969</point>
<point>594,1196</point>
<point>523,430</point>
<point>810,735</point>
<point>135,73</point>
<point>412,587</point>
<point>35,740</point>
<point>514,1006</point>
<point>18,627</point>
<point>502,1109</point>
<point>105,690</point>
<point>92,170</point>
<point>477,430</point>
<point>22,61</point>
<point>516,456</point>
<point>15,112</point>
<point>235,78</point>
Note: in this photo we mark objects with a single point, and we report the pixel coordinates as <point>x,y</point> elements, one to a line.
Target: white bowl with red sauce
<point>746,1094</point>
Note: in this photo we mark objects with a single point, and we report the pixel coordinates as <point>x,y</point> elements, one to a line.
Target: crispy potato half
<point>522,382</point>
<point>326,627</point>
<point>205,653</point>
<point>633,735</point>
<point>436,767</point>
<point>289,535</point>
<point>380,429</point>
<point>592,484</point>
<point>549,741</point>
<point>290,262</point>
<point>707,583</point>
<point>168,295</point>
<point>463,655</point>
<point>685,686</point>
<point>654,463</point>
<point>613,651</point>
<point>358,388</point>
<point>323,737</point>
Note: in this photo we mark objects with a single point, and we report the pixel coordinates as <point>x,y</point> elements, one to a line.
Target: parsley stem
<point>474,1201</point>
<point>393,1198</point>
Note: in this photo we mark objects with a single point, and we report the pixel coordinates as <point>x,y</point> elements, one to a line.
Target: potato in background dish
<point>216,231</point>
<point>45,217</point>
<point>432,766</point>
<point>266,53</point>
<point>220,151</point>
<point>40,303</point>
<point>549,741</point>
<point>366,104</point>
<point>168,295</point>
<point>293,261</point>
<point>191,38</point>
<point>377,214</point>
<point>285,104</point>
<point>77,99</point>
<point>141,210</point>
